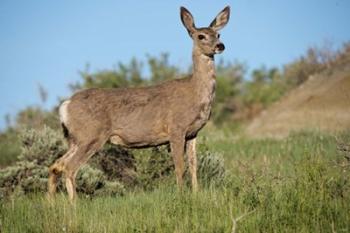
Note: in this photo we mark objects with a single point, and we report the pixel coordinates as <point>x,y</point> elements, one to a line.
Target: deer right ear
<point>187,20</point>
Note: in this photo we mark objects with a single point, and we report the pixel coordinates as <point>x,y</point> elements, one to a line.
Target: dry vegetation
<point>322,102</point>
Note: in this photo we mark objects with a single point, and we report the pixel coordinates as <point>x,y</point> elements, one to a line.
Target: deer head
<point>206,39</point>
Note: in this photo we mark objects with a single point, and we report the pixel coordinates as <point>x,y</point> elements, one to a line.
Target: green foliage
<point>316,60</point>
<point>37,118</point>
<point>128,75</point>
<point>33,117</point>
<point>123,75</point>
<point>111,171</point>
<point>9,147</point>
<point>161,69</point>
<point>89,180</point>
<point>40,148</point>
<point>229,81</point>
<point>117,164</point>
<point>300,184</point>
<point>92,181</point>
<point>22,178</point>
<point>299,71</point>
<point>266,87</point>
<point>211,169</point>
<point>154,166</point>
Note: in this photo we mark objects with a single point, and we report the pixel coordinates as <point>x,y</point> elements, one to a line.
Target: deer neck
<point>203,73</point>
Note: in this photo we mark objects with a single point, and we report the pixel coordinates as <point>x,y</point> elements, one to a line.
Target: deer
<point>171,112</point>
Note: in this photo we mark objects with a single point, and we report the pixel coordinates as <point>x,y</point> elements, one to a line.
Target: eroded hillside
<point>321,103</point>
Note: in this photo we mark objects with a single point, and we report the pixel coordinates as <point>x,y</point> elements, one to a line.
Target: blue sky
<point>48,42</point>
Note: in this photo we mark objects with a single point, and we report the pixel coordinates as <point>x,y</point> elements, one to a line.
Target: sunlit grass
<point>300,184</point>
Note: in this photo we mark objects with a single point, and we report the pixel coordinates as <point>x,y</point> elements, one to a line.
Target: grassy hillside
<point>321,103</point>
<point>298,184</point>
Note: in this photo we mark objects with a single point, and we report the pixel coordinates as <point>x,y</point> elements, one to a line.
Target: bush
<point>112,171</point>
<point>91,181</point>
<point>211,169</point>
<point>43,146</point>
<point>154,166</point>
<point>116,163</point>
<point>9,147</point>
<point>40,148</point>
<point>23,177</point>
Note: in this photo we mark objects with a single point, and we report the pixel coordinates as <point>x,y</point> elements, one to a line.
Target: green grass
<point>299,184</point>
<point>10,147</point>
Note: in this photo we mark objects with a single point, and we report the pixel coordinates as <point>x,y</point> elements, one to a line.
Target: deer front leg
<point>177,147</point>
<point>192,162</point>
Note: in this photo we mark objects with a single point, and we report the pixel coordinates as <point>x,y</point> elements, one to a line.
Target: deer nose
<point>220,46</point>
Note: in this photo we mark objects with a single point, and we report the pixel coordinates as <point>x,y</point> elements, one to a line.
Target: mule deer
<point>171,112</point>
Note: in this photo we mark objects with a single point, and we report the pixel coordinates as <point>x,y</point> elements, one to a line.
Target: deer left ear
<point>221,19</point>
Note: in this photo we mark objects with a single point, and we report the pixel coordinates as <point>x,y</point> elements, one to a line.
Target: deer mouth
<point>219,48</point>
<point>218,51</point>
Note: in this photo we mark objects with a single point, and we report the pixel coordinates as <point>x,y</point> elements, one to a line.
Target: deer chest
<point>202,114</point>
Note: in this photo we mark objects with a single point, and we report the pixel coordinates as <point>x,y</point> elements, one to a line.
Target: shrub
<point>211,169</point>
<point>40,148</point>
<point>153,166</point>
<point>43,146</point>
<point>23,177</point>
<point>112,171</point>
<point>9,147</point>
<point>156,166</point>
<point>91,181</point>
<point>116,163</point>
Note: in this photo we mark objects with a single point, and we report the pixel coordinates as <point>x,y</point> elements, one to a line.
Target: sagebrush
<point>112,171</point>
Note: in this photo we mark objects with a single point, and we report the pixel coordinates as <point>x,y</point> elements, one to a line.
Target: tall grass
<point>300,184</point>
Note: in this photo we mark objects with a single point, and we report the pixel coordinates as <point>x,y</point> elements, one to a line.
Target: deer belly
<point>138,142</point>
<point>140,137</point>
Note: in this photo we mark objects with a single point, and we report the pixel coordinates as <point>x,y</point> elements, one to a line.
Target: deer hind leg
<point>76,160</point>
<point>69,164</point>
<point>192,162</point>
<point>177,147</point>
<point>57,168</point>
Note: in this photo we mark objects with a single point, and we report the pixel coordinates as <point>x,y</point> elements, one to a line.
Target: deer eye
<point>201,37</point>
<point>218,35</point>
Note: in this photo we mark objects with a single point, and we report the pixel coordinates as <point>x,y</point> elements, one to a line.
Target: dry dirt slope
<point>322,103</point>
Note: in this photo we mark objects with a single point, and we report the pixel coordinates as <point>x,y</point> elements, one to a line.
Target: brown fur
<point>171,112</point>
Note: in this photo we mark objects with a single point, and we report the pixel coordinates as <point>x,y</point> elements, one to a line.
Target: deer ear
<point>221,19</point>
<point>187,20</point>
